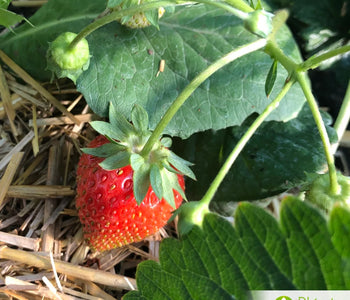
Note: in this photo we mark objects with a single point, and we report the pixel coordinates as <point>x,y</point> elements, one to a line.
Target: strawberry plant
<point>224,85</point>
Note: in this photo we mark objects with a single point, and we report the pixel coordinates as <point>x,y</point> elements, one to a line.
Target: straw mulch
<point>42,251</point>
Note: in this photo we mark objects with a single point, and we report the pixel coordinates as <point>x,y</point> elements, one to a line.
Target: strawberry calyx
<point>320,193</point>
<point>190,214</point>
<point>158,168</point>
<point>259,22</point>
<point>138,20</point>
<point>65,61</point>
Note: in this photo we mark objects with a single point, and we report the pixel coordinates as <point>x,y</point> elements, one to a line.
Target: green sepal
<point>116,161</point>
<point>125,5</point>
<point>153,17</point>
<point>136,161</point>
<point>5,3</point>
<point>169,167</point>
<point>141,176</point>
<point>139,118</point>
<point>113,3</point>
<point>120,123</point>
<point>107,129</point>
<point>259,22</point>
<point>166,141</point>
<point>271,78</point>
<point>105,150</point>
<point>64,61</point>
<point>142,183</point>
<point>125,19</point>
<point>190,214</point>
<point>169,182</point>
<point>258,5</point>
<point>320,193</point>
<point>156,181</point>
<point>181,165</point>
<point>9,18</point>
<point>178,188</point>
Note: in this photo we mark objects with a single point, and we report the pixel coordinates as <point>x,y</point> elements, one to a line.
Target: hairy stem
<point>295,70</point>
<point>242,142</point>
<point>117,15</point>
<point>275,52</point>
<point>343,117</point>
<point>195,83</point>
<point>241,5</point>
<point>315,61</point>
<point>233,10</point>
<point>302,79</point>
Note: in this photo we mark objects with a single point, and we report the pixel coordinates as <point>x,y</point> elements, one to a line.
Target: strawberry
<point>119,187</point>
<point>66,62</point>
<point>107,206</point>
<point>320,194</point>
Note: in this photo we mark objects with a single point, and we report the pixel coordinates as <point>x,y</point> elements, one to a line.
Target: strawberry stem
<point>296,71</point>
<point>242,142</point>
<point>241,5</point>
<point>302,79</point>
<point>193,85</point>
<point>113,16</point>
<point>315,61</point>
<point>235,11</point>
<point>343,118</point>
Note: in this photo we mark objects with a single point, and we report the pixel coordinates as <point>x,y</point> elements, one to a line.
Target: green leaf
<point>152,17</point>
<point>275,159</point>
<point>9,18</point>
<point>271,78</point>
<point>258,253</point>
<point>225,99</point>
<point>310,245</point>
<point>156,181</point>
<point>339,225</point>
<point>49,21</point>
<point>120,123</point>
<point>105,150</point>
<point>340,229</point>
<point>4,3</point>
<point>124,64</point>
<point>139,118</point>
<point>116,161</point>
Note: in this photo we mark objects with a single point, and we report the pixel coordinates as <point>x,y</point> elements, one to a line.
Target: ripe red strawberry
<point>107,207</point>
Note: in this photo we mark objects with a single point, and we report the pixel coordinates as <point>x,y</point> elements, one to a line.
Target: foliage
<point>275,159</point>
<point>122,59</point>
<point>234,90</point>
<point>301,251</point>
<point>8,18</point>
<point>52,19</point>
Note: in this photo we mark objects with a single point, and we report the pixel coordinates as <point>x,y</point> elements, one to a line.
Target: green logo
<point>283,298</point>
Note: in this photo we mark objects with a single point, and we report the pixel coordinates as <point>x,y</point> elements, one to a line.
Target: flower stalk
<point>302,79</point>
